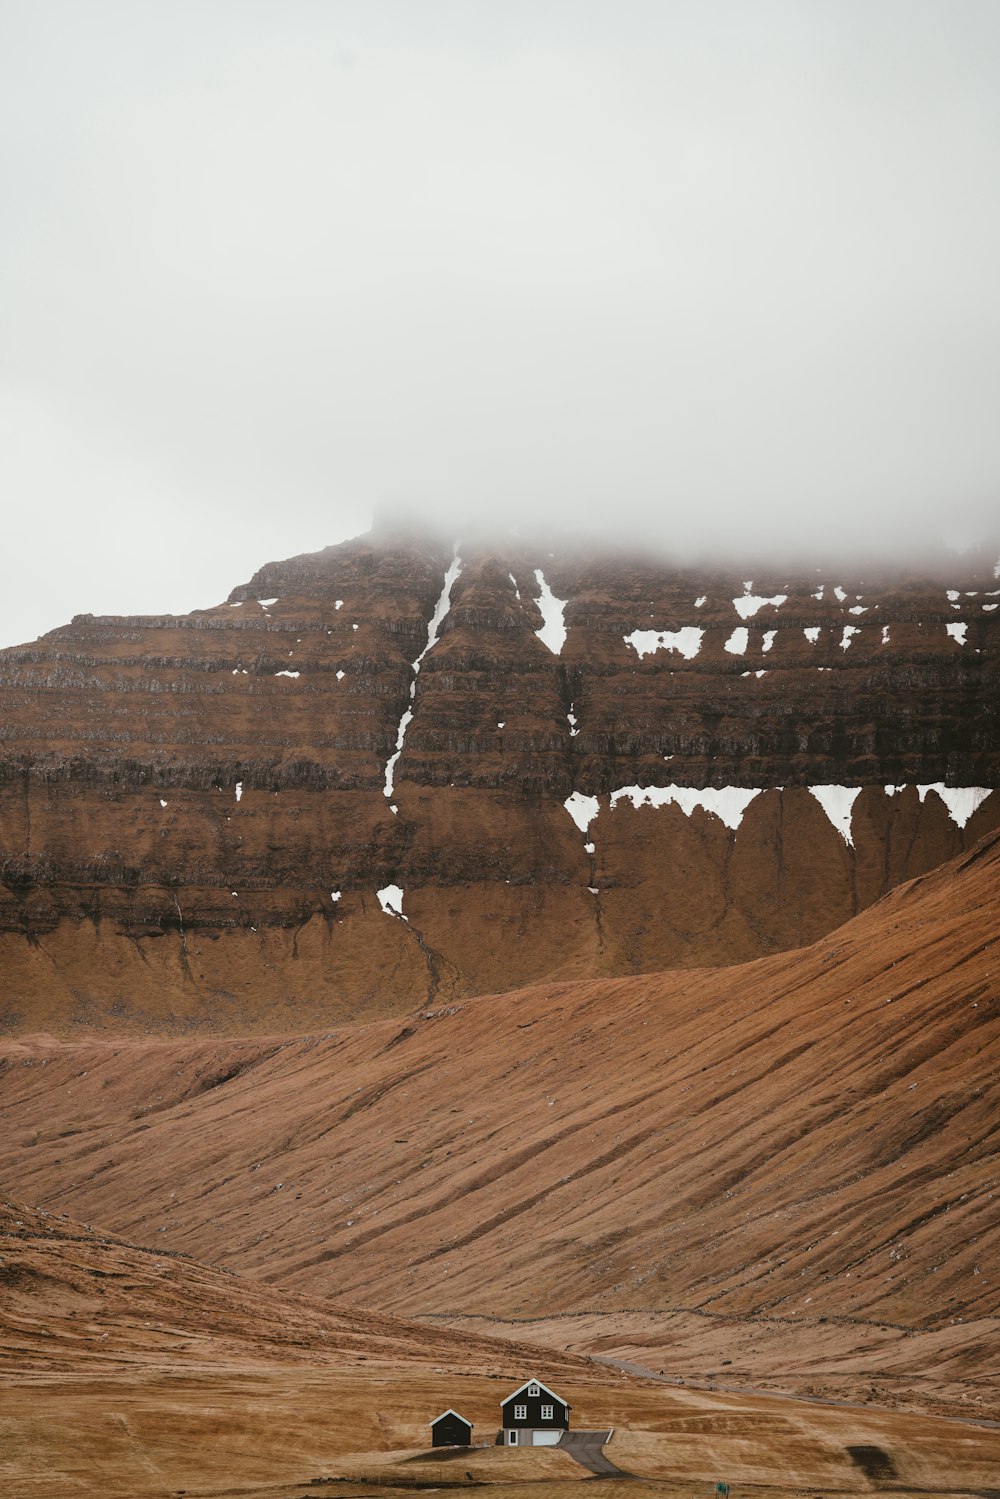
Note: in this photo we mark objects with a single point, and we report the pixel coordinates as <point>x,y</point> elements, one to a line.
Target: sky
<point>718,274</point>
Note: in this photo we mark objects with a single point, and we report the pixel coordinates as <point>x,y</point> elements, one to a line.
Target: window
<point>520,1413</point>
<point>512,1438</point>
<point>546,1413</point>
<point>534,1390</point>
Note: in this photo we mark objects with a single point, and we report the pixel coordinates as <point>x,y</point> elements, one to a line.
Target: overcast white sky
<point>718,269</point>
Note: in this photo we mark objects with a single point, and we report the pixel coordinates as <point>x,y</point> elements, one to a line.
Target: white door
<point>512,1438</point>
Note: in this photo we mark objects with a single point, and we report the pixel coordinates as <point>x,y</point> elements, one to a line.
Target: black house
<point>533,1416</point>
<point>451,1430</point>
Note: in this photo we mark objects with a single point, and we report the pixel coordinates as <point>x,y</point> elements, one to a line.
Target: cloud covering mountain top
<point>677,273</point>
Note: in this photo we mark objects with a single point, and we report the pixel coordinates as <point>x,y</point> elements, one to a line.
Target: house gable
<point>450,1412</point>
<point>544,1390</point>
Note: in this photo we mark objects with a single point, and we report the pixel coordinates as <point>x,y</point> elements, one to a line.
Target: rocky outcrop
<point>197,814</point>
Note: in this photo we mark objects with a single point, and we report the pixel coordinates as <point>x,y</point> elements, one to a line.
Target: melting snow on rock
<point>837,802</point>
<point>686,641</point>
<point>390,898</point>
<point>961,801</point>
<point>728,803</point>
<point>440,611</point>
<point>582,809</point>
<point>553,631</point>
<point>747,606</point>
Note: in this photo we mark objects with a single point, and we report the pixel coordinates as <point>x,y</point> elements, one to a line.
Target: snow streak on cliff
<point>433,629</point>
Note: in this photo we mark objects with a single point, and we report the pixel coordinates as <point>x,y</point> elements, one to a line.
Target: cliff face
<point>213,820</point>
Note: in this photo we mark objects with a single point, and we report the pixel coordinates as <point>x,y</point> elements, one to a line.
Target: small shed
<point>534,1416</point>
<point>451,1430</point>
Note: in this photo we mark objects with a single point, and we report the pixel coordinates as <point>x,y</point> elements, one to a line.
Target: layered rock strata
<point>393,772</point>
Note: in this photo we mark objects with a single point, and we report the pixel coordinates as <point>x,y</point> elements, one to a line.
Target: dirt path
<point>642,1372</point>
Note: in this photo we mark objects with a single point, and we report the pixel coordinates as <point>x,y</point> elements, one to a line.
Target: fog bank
<point>672,274</point>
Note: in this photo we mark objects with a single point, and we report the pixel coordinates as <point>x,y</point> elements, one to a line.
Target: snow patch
<point>837,802</point>
<point>239,789</point>
<point>266,603</point>
<point>390,768</point>
<point>989,608</point>
<point>686,641</point>
<point>163,803</point>
<point>953,595</point>
<point>571,717</point>
<point>582,809</point>
<point>286,674</point>
<point>811,632</point>
<point>588,848</point>
<point>700,603</point>
<point>737,643</point>
<point>961,801</point>
<point>517,591</point>
<point>338,604</point>
<point>768,640</point>
<point>747,606</point>
<point>845,639</point>
<point>885,634</point>
<point>858,609</point>
<point>841,595</point>
<point>340,676</point>
<point>728,803</point>
<point>390,898</point>
<point>335,896</point>
<point>437,618</point>
<point>957,631</point>
<point>553,631</point>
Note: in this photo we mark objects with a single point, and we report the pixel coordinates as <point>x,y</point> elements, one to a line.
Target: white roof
<point>541,1386</point>
<point>448,1412</point>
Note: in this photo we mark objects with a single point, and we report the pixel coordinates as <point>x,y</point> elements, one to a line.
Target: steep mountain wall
<point>217,819</point>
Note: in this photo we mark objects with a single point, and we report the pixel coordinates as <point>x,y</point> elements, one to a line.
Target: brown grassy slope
<point>812,1135</point>
<point>75,1299</point>
<point>131,1374</point>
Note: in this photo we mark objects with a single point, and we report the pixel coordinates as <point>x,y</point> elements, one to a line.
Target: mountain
<point>389,774</point>
<point>782,1173</point>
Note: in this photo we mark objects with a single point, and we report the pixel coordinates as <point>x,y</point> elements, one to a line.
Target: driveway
<point>587,1448</point>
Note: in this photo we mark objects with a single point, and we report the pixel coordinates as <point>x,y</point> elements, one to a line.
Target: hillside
<point>553,767</point>
<point>803,1148</point>
<point>131,1373</point>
